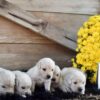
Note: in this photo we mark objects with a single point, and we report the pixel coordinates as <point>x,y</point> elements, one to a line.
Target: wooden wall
<point>66,14</point>
<point>21,48</point>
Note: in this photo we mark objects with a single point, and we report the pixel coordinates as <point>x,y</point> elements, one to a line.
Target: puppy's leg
<point>52,89</point>
<point>33,87</point>
<point>63,88</point>
<point>47,85</point>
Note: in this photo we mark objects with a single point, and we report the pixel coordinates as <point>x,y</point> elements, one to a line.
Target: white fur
<point>23,84</point>
<point>7,81</point>
<point>39,73</point>
<point>56,77</point>
<point>72,79</point>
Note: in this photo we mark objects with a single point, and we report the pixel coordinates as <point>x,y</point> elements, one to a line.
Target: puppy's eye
<point>23,87</point>
<point>3,86</point>
<point>75,82</point>
<point>52,69</point>
<point>44,69</point>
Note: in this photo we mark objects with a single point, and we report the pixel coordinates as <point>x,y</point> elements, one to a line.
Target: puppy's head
<point>56,75</point>
<point>7,82</point>
<point>23,84</point>
<point>77,81</point>
<point>46,67</point>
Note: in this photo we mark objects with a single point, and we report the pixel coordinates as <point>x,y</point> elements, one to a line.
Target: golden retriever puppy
<point>42,73</point>
<point>56,78</point>
<point>7,81</point>
<point>72,80</point>
<point>23,84</point>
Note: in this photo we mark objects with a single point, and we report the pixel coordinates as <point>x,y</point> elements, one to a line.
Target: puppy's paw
<point>52,90</point>
<point>48,91</point>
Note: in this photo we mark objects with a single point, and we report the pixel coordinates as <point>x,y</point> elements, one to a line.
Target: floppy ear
<point>39,64</point>
<point>69,81</point>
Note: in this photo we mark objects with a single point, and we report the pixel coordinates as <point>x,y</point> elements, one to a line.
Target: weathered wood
<point>2,2</point>
<point>62,6</point>
<point>20,16</point>
<point>52,32</point>
<point>69,22</point>
<point>24,56</point>
<point>10,32</point>
<point>58,36</point>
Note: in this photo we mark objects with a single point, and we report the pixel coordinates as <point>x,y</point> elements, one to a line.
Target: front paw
<point>48,91</point>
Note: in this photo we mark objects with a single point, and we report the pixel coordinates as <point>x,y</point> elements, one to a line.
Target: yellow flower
<point>88,47</point>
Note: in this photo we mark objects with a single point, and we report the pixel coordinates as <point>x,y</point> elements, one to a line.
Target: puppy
<point>56,78</point>
<point>42,73</point>
<point>72,80</point>
<point>23,84</point>
<point>7,81</point>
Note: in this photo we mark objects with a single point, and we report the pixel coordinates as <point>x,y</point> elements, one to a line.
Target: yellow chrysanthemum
<point>88,49</point>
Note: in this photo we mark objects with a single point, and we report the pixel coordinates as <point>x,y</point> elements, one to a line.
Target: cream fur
<point>56,78</point>
<point>23,83</point>
<point>72,80</point>
<point>42,73</point>
<point>7,81</point>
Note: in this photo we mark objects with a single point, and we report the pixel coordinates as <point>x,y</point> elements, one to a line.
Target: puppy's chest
<point>40,81</point>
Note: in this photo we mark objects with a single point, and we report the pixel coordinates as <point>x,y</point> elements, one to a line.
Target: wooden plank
<point>10,32</point>
<point>62,6</point>
<point>50,31</point>
<point>18,15</point>
<point>58,36</point>
<point>68,22</point>
<point>24,56</point>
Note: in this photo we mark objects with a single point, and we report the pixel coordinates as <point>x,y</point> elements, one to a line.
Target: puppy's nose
<point>80,89</point>
<point>27,94</point>
<point>48,76</point>
<point>54,79</point>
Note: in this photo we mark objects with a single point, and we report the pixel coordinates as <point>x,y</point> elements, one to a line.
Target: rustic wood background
<point>21,48</point>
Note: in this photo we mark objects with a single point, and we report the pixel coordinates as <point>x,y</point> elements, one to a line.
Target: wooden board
<point>24,56</point>
<point>11,32</point>
<point>50,31</point>
<point>68,22</point>
<point>61,6</point>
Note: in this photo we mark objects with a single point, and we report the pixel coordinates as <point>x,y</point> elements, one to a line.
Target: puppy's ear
<point>69,81</point>
<point>39,64</point>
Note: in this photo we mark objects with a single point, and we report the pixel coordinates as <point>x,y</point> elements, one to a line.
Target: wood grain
<point>52,32</point>
<point>68,22</point>
<point>11,32</point>
<point>24,56</point>
<point>61,6</point>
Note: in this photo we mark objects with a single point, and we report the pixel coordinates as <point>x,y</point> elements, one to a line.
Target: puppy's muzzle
<point>48,76</point>
<point>80,89</point>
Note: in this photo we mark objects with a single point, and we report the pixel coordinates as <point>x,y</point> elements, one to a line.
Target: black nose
<point>48,76</point>
<point>80,89</point>
<point>54,79</point>
<point>27,94</point>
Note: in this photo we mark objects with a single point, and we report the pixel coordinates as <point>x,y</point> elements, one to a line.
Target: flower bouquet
<point>88,48</point>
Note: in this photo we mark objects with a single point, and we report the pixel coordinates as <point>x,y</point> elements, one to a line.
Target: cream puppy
<point>56,78</point>
<point>23,83</point>
<point>42,73</point>
<point>72,80</point>
<point>7,81</point>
